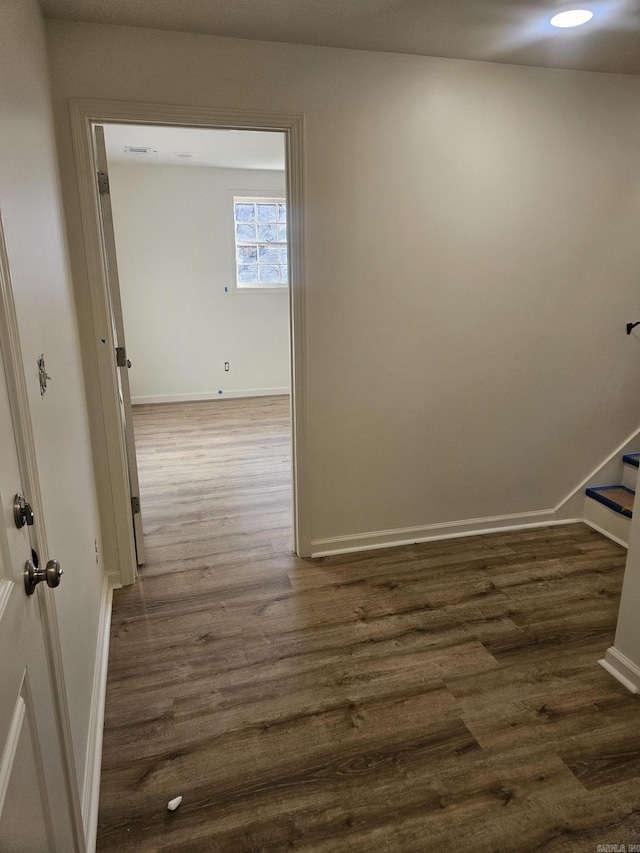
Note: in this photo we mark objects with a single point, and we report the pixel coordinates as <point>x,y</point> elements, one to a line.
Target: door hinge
<point>135,505</point>
<point>121,356</point>
<point>103,183</point>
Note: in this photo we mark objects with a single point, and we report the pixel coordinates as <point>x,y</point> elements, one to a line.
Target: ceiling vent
<point>135,149</point>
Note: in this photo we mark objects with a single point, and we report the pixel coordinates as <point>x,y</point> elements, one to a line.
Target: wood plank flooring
<point>434,697</point>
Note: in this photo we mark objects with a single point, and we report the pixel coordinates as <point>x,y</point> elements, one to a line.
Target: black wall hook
<point>632,326</point>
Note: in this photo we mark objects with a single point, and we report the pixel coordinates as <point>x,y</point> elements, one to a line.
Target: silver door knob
<point>32,575</point>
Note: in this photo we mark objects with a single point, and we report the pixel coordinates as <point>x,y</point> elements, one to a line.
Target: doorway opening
<point>268,269</point>
<point>201,274</point>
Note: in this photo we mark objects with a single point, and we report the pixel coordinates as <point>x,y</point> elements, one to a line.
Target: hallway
<point>442,696</point>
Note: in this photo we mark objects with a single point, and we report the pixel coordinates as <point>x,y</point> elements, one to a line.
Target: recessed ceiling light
<point>184,154</point>
<point>571,18</point>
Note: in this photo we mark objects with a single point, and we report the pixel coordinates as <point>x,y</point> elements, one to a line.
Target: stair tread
<point>632,459</point>
<point>618,498</point>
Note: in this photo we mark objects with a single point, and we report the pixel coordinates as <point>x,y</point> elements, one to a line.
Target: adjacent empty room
<point>200,225</point>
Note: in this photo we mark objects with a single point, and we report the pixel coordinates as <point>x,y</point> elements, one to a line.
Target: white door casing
<point>39,805</point>
<point>113,288</point>
<point>111,464</point>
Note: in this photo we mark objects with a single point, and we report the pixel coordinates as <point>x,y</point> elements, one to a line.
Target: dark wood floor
<point>434,697</point>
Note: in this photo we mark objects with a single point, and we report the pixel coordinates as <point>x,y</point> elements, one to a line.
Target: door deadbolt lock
<point>33,576</point>
<point>22,512</point>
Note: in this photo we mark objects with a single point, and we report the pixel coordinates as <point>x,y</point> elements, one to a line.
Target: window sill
<point>262,289</point>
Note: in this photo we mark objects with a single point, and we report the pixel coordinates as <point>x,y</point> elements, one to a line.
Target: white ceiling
<point>227,149</point>
<point>514,31</point>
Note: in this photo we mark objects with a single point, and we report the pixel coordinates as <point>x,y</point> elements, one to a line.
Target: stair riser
<point>608,522</point>
<point>630,476</point>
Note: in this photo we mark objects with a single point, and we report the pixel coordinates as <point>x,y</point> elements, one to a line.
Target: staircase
<point>609,509</point>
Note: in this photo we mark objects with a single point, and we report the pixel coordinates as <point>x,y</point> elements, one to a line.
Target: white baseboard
<point>569,511</point>
<point>209,395</point>
<point>93,763</point>
<point>432,532</point>
<point>621,668</point>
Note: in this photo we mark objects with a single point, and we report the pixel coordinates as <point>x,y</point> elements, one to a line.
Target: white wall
<point>622,659</point>
<point>472,258</point>
<point>36,250</point>
<point>174,236</point>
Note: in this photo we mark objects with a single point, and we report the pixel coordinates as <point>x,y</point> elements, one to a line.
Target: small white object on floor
<point>174,803</point>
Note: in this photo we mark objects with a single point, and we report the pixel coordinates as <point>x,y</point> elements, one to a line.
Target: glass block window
<point>261,242</point>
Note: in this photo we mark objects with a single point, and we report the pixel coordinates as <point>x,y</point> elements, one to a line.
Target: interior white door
<point>109,245</point>
<point>34,813</point>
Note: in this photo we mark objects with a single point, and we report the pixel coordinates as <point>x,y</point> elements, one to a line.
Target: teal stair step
<point>617,498</point>
<point>632,459</point>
